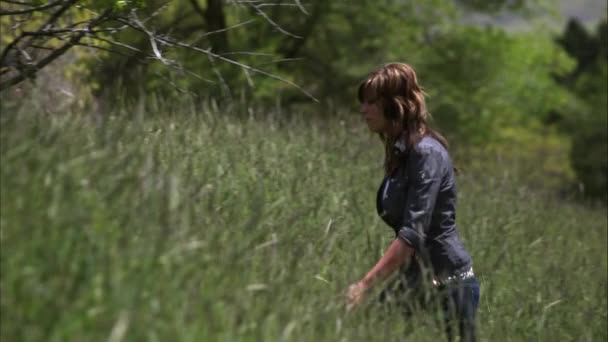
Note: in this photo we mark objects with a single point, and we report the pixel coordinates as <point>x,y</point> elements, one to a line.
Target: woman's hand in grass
<point>356,294</point>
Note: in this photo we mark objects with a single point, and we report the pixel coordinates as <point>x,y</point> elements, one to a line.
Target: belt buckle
<point>437,281</point>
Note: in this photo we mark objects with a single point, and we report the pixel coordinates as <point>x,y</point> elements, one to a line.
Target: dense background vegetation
<point>489,85</point>
<point>201,200</point>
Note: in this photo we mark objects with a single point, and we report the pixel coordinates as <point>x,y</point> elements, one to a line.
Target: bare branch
<point>23,50</point>
<point>173,65</point>
<point>158,11</point>
<point>151,38</point>
<point>178,88</point>
<point>13,44</point>
<point>172,42</point>
<point>32,9</point>
<point>299,4</point>
<point>123,45</point>
<point>205,34</point>
<point>102,48</point>
<point>86,21</point>
<point>43,31</point>
<point>280,60</point>
<point>247,53</point>
<point>275,4</point>
<point>42,47</point>
<point>244,66</point>
<point>273,23</point>
<point>31,70</point>
<point>21,3</point>
<point>249,79</point>
<point>191,73</point>
<point>218,74</point>
<point>290,48</point>
<point>56,32</point>
<point>67,4</point>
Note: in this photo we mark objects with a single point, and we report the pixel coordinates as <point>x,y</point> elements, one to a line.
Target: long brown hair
<point>396,87</point>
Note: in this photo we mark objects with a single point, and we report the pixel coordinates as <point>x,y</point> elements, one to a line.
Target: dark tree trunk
<point>215,20</point>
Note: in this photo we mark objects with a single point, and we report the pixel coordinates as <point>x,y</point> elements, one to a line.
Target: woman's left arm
<point>396,255</point>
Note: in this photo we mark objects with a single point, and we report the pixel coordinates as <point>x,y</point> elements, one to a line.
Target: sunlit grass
<point>205,227</point>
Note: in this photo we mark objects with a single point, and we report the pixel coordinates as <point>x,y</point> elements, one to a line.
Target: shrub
<point>588,156</point>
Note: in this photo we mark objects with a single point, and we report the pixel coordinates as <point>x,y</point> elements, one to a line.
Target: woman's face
<point>374,116</point>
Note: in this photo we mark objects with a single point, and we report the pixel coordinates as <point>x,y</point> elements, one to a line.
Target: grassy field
<point>202,227</point>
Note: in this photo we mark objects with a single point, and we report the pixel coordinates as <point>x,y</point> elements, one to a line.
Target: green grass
<point>208,227</point>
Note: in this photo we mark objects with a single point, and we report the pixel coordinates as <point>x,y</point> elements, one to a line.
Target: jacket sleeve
<point>425,172</point>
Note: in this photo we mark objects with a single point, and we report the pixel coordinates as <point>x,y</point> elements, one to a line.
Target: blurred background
<point>498,73</point>
<point>199,170</point>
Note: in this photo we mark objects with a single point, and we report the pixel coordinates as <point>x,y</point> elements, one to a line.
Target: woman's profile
<point>417,199</point>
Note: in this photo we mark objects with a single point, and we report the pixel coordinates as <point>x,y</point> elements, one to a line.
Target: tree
<point>41,33</point>
<point>587,124</point>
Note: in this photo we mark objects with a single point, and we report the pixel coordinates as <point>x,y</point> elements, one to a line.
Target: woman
<point>417,198</point>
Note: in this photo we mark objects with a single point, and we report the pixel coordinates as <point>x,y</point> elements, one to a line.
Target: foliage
<point>200,225</point>
<point>484,82</point>
<point>587,123</point>
<point>33,49</point>
<point>481,80</point>
<point>180,220</point>
<point>590,139</point>
<point>327,47</point>
<point>35,34</point>
<point>329,38</point>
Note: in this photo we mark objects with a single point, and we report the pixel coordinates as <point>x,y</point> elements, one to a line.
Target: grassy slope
<point>209,228</point>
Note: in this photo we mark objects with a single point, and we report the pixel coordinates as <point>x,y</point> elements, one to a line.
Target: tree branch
<point>291,49</point>
<point>73,35</point>
<point>172,42</point>
<point>243,66</point>
<point>101,48</point>
<point>173,65</point>
<point>272,22</point>
<point>151,38</point>
<point>29,71</point>
<point>31,10</point>
<point>199,37</point>
<point>67,4</point>
<point>21,3</point>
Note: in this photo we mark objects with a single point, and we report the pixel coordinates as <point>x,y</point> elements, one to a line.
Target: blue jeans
<point>458,301</point>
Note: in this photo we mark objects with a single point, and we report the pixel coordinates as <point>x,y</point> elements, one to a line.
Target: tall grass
<point>204,227</point>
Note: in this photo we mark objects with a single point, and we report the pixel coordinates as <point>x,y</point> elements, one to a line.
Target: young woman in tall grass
<point>417,198</point>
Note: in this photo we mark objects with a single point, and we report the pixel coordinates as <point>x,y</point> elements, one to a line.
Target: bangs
<point>369,89</point>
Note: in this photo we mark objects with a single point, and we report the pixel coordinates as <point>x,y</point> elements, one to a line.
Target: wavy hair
<point>395,86</point>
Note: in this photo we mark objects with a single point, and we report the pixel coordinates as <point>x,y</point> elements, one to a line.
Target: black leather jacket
<point>418,200</point>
